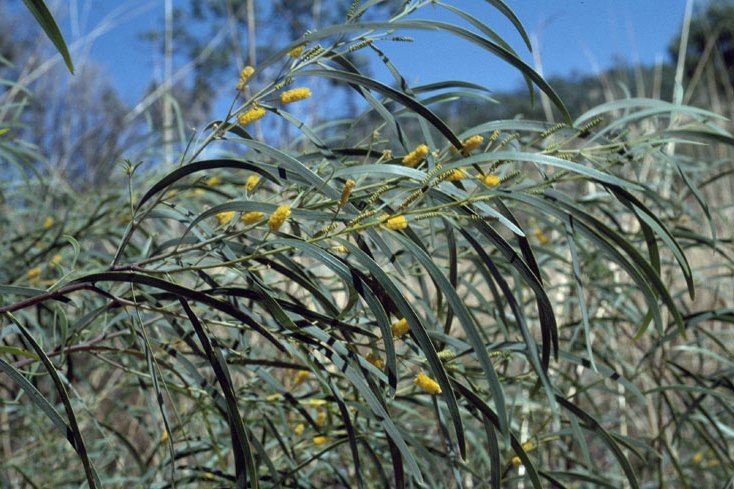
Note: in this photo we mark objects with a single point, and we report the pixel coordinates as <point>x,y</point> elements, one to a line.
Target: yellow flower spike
<point>528,445</point>
<point>320,440</point>
<point>516,462</point>
<point>279,217</point>
<point>245,75</point>
<point>490,180</point>
<point>376,361</point>
<point>56,259</point>
<point>697,458</point>
<point>199,191</point>
<point>252,115</point>
<point>296,52</point>
<point>427,384</point>
<point>472,143</point>
<point>48,222</point>
<point>224,217</point>
<point>213,181</point>
<point>456,175</point>
<point>313,402</point>
<point>295,95</point>
<point>33,273</point>
<point>399,328</point>
<point>416,156</point>
<point>298,429</point>
<point>164,437</point>
<point>397,223</point>
<point>252,217</point>
<point>346,192</point>
<point>340,249</point>
<point>320,419</point>
<point>541,237</point>
<point>252,180</point>
<point>301,377</point>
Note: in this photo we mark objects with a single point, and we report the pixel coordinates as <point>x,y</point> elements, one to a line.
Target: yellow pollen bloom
<point>313,402</point>
<point>516,462</point>
<point>252,115</point>
<point>298,429</point>
<point>491,180</point>
<point>213,181</point>
<point>164,436</point>
<point>341,249</point>
<point>252,217</point>
<point>245,75</point>
<point>279,217</point>
<point>427,384</point>
<point>56,259</point>
<point>274,397</point>
<point>540,236</point>
<point>33,273</point>
<point>252,180</point>
<point>290,96</point>
<point>224,217</point>
<point>528,445</point>
<point>399,328</point>
<point>320,440</point>
<point>397,223</point>
<point>471,144</point>
<point>320,419</point>
<point>376,361</point>
<point>296,52</point>
<point>416,156</point>
<point>48,222</point>
<point>456,175</point>
<point>301,377</point>
<point>698,458</point>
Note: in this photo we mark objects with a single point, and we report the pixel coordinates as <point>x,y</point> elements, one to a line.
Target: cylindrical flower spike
<point>245,75</point>
<point>491,180</point>
<point>399,328</point>
<point>296,52</point>
<point>427,384</point>
<point>252,115</point>
<point>290,96</point>
<point>252,217</point>
<point>397,223</point>
<point>416,156</point>
<point>224,217</point>
<point>279,217</point>
<point>252,180</point>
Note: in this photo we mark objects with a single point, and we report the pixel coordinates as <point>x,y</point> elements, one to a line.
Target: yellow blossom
<point>320,419</point>
<point>472,143</point>
<point>301,377</point>
<point>290,96</point>
<point>346,192</point>
<point>298,429</point>
<point>245,75</point>
<point>516,462</point>
<point>456,175</point>
<point>252,180</point>
<point>279,217</point>
<point>48,222</point>
<point>274,397</point>
<point>213,181</point>
<point>33,273</point>
<point>698,458</point>
<point>340,249</point>
<point>313,402</point>
<point>528,445</point>
<point>198,191</point>
<point>252,115</point>
<point>376,361</point>
<point>56,259</point>
<point>491,180</point>
<point>224,217</point>
<point>399,328</point>
<point>397,223</point>
<point>387,154</point>
<point>416,156</point>
<point>427,384</point>
<point>296,52</point>
<point>540,236</point>
<point>164,436</point>
<point>320,440</point>
<point>252,217</point>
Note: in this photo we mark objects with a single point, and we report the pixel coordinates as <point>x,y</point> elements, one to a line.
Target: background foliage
<point>566,286</point>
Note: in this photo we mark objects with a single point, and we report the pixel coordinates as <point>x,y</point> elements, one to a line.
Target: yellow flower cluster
<point>252,217</point>
<point>490,180</point>
<point>541,237</point>
<point>320,419</point>
<point>399,328</point>
<point>298,429</point>
<point>56,259</point>
<point>252,180</point>
<point>33,273</point>
<point>416,156</point>
<point>296,52</point>
<point>224,217</point>
<point>213,181</point>
<point>301,377</point>
<point>48,222</point>
<point>279,217</point>
<point>472,143</point>
<point>320,440</point>
<point>527,446</point>
<point>252,115</point>
<point>245,75</point>
<point>376,361</point>
<point>427,384</point>
<point>456,175</point>
<point>397,223</point>
<point>290,96</point>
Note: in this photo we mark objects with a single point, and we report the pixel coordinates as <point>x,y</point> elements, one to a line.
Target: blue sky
<point>574,36</point>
